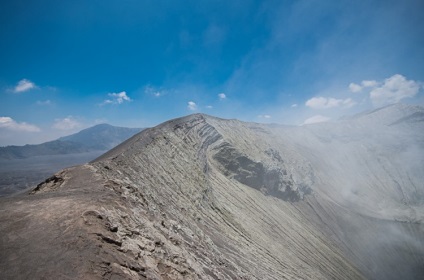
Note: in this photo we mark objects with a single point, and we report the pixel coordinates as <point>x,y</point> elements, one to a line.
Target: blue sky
<point>67,65</point>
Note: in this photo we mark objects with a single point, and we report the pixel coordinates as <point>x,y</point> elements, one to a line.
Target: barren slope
<point>201,197</point>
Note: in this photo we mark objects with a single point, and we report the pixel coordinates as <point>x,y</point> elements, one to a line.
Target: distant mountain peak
<point>101,137</point>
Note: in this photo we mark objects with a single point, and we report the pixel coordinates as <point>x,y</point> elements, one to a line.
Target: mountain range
<point>23,167</point>
<point>201,197</point>
<point>101,137</point>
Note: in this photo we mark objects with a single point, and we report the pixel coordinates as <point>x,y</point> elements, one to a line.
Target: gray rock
<point>206,198</point>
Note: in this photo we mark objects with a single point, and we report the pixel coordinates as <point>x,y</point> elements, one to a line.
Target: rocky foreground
<point>206,198</point>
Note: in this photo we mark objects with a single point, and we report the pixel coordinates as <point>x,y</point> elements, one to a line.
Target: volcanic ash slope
<point>202,197</point>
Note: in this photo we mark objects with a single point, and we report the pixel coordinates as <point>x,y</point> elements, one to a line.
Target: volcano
<point>201,197</point>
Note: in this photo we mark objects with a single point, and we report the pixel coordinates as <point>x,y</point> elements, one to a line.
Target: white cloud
<point>393,90</point>
<point>11,124</point>
<point>191,106</point>
<point>316,119</point>
<point>68,123</point>
<point>209,106</point>
<point>369,83</point>
<point>120,97</point>
<point>222,96</point>
<point>264,116</point>
<point>24,85</point>
<point>364,84</point>
<point>327,103</point>
<point>354,87</point>
<point>116,98</point>
<point>293,105</point>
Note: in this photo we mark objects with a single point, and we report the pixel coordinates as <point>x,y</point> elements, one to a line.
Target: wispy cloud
<point>209,106</point>
<point>354,87</point>
<point>43,103</point>
<point>222,96</point>
<point>117,98</point>
<point>364,84</point>
<point>11,124</point>
<point>327,103</point>
<point>293,105</point>
<point>369,83</point>
<point>100,121</point>
<point>23,85</point>
<point>68,123</point>
<point>191,106</point>
<point>150,90</point>
<point>393,90</point>
<point>264,116</point>
<point>316,119</point>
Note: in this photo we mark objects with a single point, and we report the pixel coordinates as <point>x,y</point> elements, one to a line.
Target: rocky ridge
<point>205,198</point>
